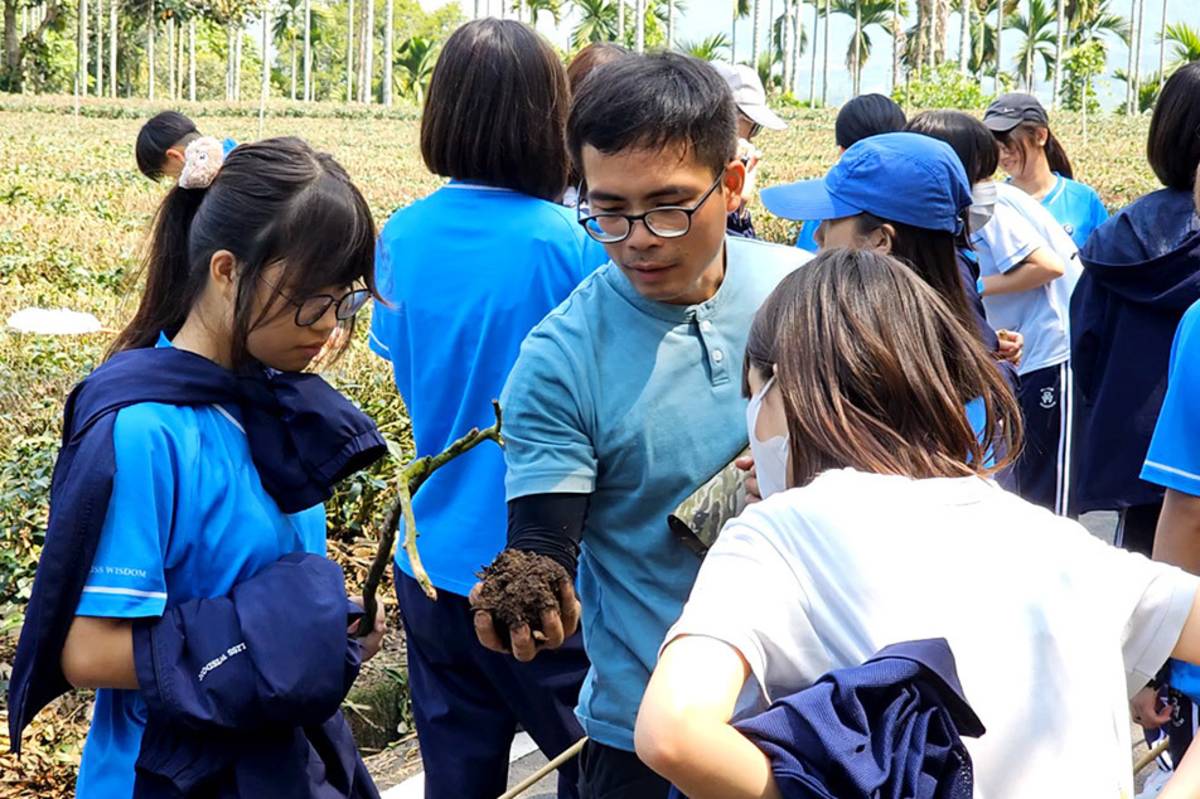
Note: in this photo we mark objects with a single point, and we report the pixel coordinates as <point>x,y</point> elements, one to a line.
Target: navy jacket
<point>242,692</point>
<point>1141,272</point>
<point>303,436</point>
<point>888,729</point>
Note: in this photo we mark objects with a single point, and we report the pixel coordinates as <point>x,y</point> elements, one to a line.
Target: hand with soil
<point>524,603</point>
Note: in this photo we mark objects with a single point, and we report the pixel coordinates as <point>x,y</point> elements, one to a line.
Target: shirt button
<point>718,356</point>
<point>706,326</point>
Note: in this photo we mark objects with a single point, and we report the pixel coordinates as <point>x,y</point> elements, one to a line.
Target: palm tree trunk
<point>81,63</point>
<point>150,51</point>
<point>350,47</point>
<point>237,65</point>
<point>264,90</point>
<point>295,63</point>
<point>1129,61</point>
<point>192,59</point>
<point>1137,57</point>
<point>964,35</point>
<point>362,54</point>
<point>369,58</point>
<point>179,58</point>
<point>307,50</point>
<point>639,10</point>
<point>1162,48</point>
<point>897,28</point>
<point>812,73</point>
<point>785,42</point>
<point>825,66</point>
<point>857,47</point>
<point>112,48</point>
<point>621,21</point>
<point>670,24</point>
<point>388,46</point>
<point>999,49</point>
<point>771,41</point>
<point>99,48</point>
<point>1060,16</point>
<point>755,31</point>
<point>171,57</point>
<point>932,37</point>
<point>797,29</point>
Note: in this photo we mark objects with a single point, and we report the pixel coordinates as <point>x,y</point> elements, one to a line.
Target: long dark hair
<point>970,139</point>
<point>875,371</point>
<point>497,108</point>
<point>1022,138</point>
<point>274,201</point>
<point>933,256</point>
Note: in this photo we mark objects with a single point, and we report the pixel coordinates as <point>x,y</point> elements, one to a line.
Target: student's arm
<point>1041,267</point>
<point>99,654</point>
<point>1177,538</point>
<point>683,729</point>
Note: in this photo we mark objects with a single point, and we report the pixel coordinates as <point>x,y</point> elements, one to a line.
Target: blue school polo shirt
<point>1076,206</point>
<point>637,403</point>
<point>467,272</point>
<point>188,518</point>
<point>1173,460</point>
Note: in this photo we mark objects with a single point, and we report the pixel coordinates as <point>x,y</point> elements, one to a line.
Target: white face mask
<point>983,204</point>
<point>770,456</point>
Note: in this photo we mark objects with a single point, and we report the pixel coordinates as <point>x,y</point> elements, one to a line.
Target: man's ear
<point>883,238</point>
<point>732,183</point>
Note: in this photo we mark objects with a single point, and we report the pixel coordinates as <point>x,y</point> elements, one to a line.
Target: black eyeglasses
<point>667,222</point>
<point>755,127</point>
<point>310,309</point>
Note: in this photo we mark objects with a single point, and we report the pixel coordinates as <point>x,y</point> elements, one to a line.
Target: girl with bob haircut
<point>889,529</point>
<point>195,463</point>
<point>1038,164</point>
<point>467,272</point>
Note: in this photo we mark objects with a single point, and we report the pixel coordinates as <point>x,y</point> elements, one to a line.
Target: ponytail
<point>1056,156</point>
<point>171,284</point>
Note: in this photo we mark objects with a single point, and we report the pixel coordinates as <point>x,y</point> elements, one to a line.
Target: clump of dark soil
<point>517,588</point>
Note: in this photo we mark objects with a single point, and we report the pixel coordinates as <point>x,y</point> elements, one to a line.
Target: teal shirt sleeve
<point>127,577</point>
<point>547,447</point>
<point>1173,460</point>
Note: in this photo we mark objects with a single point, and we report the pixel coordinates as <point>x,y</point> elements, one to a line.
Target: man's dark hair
<point>653,102</point>
<point>865,116</point>
<point>1173,147</point>
<point>497,108</point>
<point>970,139</point>
<point>164,131</point>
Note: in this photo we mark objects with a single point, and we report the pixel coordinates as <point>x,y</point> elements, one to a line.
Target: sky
<point>706,17</point>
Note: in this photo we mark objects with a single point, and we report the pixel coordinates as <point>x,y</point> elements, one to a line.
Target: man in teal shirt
<point>628,396</point>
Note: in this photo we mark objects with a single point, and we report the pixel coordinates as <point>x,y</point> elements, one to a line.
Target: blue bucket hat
<point>902,177</point>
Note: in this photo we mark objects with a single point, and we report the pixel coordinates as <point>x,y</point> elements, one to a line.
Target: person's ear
<point>883,238</point>
<point>732,184</point>
<point>222,274</point>
<point>1041,136</point>
<point>173,161</point>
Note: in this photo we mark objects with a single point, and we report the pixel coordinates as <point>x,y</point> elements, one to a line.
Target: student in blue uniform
<point>1039,166</point>
<point>467,272</point>
<point>1141,272</point>
<point>256,268</point>
<point>1027,264</point>
<point>861,116</point>
<point>625,399</point>
<point>162,143</point>
<point>924,227</point>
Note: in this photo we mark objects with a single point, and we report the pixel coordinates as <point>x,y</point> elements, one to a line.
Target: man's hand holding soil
<point>524,603</point>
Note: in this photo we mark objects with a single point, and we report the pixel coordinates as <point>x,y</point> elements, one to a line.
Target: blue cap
<point>902,177</point>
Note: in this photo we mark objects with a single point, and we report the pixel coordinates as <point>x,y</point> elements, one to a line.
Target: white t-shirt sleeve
<point>1005,241</point>
<point>1151,601</point>
<point>749,596</point>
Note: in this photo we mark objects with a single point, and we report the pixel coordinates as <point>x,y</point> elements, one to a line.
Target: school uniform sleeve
<point>383,315</point>
<point>127,577</point>
<point>1007,240</point>
<point>750,595</point>
<point>1173,460</point>
<point>547,446</point>
<point>1099,214</point>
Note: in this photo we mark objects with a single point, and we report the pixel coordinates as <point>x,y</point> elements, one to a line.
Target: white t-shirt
<point>1020,225</point>
<point>1052,629</point>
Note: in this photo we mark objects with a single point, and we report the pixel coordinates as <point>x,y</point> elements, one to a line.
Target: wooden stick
<point>1159,747</point>
<point>539,775</point>
<point>410,478</point>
